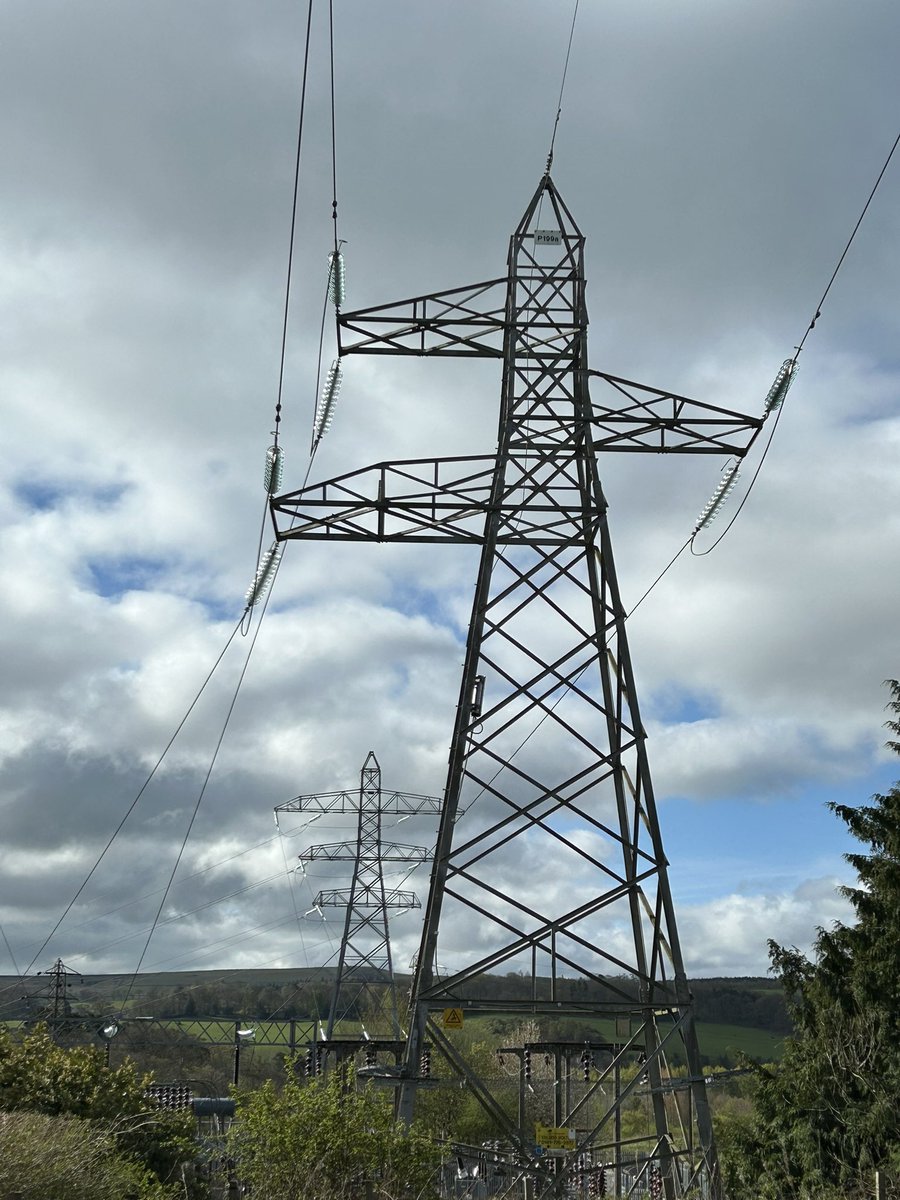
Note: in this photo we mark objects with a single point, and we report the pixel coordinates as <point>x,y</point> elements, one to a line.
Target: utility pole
<point>365,957</point>
<point>558,864</point>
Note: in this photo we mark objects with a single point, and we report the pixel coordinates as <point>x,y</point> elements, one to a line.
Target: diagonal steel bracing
<point>556,870</point>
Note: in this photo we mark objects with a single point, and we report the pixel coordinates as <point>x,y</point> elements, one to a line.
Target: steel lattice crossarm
<point>403,804</point>
<point>448,323</point>
<point>549,863</point>
<point>367,897</point>
<point>448,499</point>
<point>349,852</point>
<point>636,417</point>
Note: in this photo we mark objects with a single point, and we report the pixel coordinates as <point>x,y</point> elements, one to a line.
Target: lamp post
<point>107,1031</point>
<point>240,1036</point>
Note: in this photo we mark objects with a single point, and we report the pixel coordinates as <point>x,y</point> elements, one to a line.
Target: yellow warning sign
<point>551,1137</point>
<point>453,1018</point>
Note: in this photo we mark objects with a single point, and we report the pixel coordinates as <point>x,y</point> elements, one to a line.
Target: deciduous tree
<point>324,1140</point>
<point>38,1076</point>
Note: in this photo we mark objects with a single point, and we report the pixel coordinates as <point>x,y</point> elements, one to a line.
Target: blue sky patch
<point>677,706</point>
<point>112,578</point>
<point>44,496</point>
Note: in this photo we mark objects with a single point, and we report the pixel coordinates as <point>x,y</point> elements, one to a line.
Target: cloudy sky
<point>716,153</point>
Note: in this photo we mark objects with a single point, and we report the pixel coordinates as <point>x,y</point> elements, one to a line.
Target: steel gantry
<point>556,873</point>
<point>364,957</point>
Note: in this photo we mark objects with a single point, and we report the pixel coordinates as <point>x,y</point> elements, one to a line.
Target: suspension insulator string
<point>327,402</point>
<point>337,281</point>
<point>779,388</point>
<point>265,575</point>
<point>274,470</point>
<point>723,490</point>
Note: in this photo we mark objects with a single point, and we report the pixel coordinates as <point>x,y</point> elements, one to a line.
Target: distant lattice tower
<point>56,1008</point>
<point>557,871</point>
<point>364,958</point>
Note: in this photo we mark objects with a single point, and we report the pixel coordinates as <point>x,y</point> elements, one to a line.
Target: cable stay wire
<point>671,563</point>
<point>180,916</point>
<point>562,88</point>
<point>200,908</point>
<point>846,250</point>
<point>181,883</point>
<point>292,239</point>
<point>334,200</point>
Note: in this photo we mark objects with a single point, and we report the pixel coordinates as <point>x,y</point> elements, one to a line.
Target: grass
<point>724,1043</point>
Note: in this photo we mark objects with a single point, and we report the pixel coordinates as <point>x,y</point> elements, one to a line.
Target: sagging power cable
<point>774,404</point>
<point>267,564</point>
<point>199,800</point>
<point>562,88</point>
<point>134,803</point>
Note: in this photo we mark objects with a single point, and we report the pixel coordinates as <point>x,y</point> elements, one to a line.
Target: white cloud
<point>143,236</point>
<point>730,935</point>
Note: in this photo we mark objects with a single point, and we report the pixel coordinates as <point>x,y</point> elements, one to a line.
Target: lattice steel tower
<point>364,957</point>
<point>557,870</point>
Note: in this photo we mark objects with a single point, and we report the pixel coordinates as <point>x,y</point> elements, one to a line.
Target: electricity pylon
<point>57,1009</point>
<point>557,871</point>
<point>364,957</point>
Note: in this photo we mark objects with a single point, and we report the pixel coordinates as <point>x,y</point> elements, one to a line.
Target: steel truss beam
<point>557,871</point>
<point>169,1031</point>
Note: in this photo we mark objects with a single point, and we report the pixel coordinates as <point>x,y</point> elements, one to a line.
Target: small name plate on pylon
<point>547,237</point>
<point>452,1018</point>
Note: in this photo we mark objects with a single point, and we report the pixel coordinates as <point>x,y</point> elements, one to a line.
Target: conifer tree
<point>828,1115</point>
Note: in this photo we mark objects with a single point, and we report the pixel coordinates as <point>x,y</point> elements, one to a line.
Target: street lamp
<point>240,1036</point>
<point>107,1031</point>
